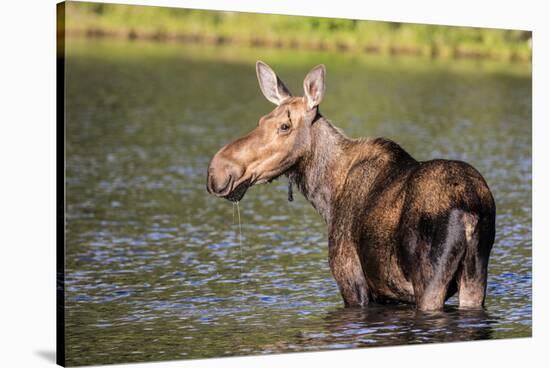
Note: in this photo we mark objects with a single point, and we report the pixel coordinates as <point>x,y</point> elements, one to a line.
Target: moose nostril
<point>219,186</point>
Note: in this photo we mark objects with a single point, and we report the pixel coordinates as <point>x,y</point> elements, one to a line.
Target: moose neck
<point>319,174</point>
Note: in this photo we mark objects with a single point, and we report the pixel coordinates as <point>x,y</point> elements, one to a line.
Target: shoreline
<point>431,51</point>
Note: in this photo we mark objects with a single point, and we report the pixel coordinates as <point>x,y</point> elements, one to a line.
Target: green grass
<point>267,30</point>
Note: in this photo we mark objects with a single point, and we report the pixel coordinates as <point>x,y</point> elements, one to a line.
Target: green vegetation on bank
<point>265,30</point>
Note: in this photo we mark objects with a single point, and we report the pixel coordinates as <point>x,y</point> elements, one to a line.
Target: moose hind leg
<point>472,281</point>
<point>440,263</point>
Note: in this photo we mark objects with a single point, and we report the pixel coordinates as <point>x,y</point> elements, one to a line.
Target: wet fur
<point>399,230</point>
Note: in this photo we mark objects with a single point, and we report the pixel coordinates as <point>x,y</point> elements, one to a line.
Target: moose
<point>399,230</point>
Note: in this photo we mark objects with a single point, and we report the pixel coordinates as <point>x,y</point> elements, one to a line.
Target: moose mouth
<point>238,192</point>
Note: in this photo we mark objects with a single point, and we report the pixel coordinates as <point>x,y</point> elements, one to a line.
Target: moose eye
<point>285,127</point>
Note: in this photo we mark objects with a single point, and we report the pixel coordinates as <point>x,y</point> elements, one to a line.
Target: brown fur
<point>399,229</point>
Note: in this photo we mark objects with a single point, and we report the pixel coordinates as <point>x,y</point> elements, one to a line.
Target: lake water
<point>155,267</point>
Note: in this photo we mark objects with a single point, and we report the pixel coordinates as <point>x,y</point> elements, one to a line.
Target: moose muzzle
<point>225,178</point>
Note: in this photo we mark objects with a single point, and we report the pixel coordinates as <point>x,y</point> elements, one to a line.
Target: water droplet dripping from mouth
<point>240,229</point>
<point>241,259</point>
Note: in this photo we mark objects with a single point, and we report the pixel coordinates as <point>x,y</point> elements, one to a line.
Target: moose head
<point>281,139</point>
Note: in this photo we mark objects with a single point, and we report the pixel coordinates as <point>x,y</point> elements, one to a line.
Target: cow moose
<point>399,230</point>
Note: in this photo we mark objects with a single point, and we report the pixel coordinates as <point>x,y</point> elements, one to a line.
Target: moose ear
<point>272,87</point>
<point>314,86</point>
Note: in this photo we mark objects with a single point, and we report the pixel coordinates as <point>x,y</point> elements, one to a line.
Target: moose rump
<point>426,235</point>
